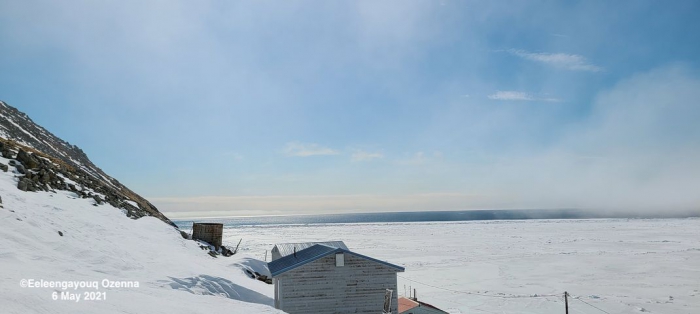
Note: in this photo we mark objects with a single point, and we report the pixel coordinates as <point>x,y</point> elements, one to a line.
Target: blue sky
<point>286,107</point>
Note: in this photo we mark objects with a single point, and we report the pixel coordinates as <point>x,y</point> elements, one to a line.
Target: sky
<point>230,108</point>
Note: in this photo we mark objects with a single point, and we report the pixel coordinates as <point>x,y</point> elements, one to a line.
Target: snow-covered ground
<point>100,243</point>
<point>620,266</point>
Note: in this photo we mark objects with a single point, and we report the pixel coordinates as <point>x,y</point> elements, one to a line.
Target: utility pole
<point>566,301</point>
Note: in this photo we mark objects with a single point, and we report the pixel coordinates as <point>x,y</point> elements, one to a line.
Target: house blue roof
<point>311,254</point>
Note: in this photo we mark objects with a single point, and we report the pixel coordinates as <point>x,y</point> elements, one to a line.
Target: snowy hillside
<point>47,153</point>
<point>99,242</point>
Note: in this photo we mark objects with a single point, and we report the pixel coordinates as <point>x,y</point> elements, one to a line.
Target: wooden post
<point>239,244</point>
<point>566,301</point>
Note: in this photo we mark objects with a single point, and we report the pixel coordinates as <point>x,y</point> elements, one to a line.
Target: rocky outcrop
<point>44,162</point>
<point>26,185</point>
<point>29,161</point>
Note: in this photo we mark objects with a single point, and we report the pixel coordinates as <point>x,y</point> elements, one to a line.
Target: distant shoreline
<point>433,216</point>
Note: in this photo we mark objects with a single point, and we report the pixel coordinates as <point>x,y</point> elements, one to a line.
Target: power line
<point>476,307</point>
<point>504,296</point>
<point>560,298</point>
<point>591,305</point>
<point>484,295</point>
<point>470,306</point>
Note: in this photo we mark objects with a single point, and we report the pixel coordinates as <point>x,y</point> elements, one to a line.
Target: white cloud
<point>560,60</point>
<point>519,96</point>
<point>366,156</point>
<point>637,151</point>
<point>510,95</point>
<point>298,149</point>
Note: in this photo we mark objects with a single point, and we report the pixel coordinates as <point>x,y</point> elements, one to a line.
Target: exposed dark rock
<point>60,233</point>
<point>20,168</point>
<point>45,177</point>
<point>184,234</point>
<point>29,161</point>
<point>97,199</point>
<point>226,251</point>
<point>26,185</point>
<point>4,167</point>
<point>5,150</point>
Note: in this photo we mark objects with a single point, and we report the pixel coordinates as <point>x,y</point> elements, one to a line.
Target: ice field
<point>617,265</point>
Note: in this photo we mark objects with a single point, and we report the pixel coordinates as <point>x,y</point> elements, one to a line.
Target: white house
<point>327,279</point>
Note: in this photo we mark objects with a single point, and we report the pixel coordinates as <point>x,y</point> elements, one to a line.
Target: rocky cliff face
<point>44,162</point>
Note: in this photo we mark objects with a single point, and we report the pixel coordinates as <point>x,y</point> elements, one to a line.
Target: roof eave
<point>337,250</point>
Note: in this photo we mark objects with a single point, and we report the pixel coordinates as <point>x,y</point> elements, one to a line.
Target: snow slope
<point>99,242</point>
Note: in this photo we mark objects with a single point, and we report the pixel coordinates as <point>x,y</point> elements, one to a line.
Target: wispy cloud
<point>560,60</point>
<point>298,149</point>
<point>510,95</point>
<point>366,156</point>
<point>519,96</point>
<point>655,170</point>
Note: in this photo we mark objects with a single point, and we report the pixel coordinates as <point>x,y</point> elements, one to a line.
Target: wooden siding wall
<point>208,232</point>
<point>321,287</point>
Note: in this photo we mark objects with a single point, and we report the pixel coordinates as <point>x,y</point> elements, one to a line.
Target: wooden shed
<point>208,232</point>
<point>326,279</point>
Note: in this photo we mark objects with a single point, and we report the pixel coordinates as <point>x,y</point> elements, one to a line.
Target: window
<point>339,259</point>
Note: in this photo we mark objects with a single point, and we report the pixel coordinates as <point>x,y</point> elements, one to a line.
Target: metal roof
<point>288,248</point>
<point>406,304</point>
<point>413,306</point>
<point>311,254</point>
<point>424,310</point>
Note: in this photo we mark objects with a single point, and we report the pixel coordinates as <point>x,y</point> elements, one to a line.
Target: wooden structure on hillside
<point>327,279</point>
<point>208,232</point>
